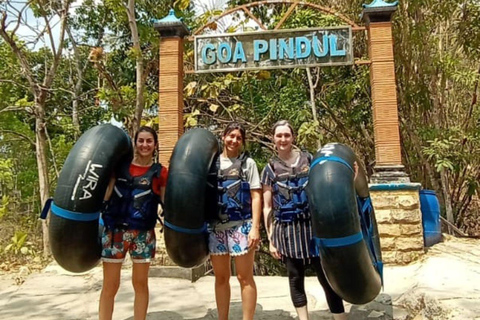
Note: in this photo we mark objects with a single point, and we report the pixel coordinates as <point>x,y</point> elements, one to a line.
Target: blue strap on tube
<point>75,216</point>
<point>202,229</point>
<point>332,158</point>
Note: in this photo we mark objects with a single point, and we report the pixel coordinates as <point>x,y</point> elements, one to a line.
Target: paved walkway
<point>444,285</point>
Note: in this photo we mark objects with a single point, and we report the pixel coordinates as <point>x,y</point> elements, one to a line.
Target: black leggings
<point>296,276</point>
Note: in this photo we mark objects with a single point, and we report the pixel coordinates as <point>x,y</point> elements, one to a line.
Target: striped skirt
<point>293,239</point>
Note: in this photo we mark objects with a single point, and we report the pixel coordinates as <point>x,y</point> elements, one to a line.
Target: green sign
<point>273,49</point>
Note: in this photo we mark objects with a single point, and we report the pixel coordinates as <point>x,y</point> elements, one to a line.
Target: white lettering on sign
<point>90,177</point>
<point>274,49</point>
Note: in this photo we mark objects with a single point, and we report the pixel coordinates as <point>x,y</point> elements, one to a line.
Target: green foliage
<point>308,18</point>
<point>4,206</point>
<point>437,71</point>
<point>181,4</point>
<point>307,133</point>
<point>19,244</point>
<point>6,175</point>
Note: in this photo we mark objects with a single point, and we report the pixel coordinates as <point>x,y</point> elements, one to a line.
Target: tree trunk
<point>312,102</point>
<point>76,97</point>
<point>42,165</point>
<point>446,195</point>
<point>140,101</point>
<point>140,81</point>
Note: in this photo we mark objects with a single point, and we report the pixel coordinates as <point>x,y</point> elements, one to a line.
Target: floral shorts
<point>139,244</point>
<point>233,241</point>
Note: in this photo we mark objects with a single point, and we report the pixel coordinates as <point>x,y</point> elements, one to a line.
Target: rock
<point>400,314</point>
<point>376,314</point>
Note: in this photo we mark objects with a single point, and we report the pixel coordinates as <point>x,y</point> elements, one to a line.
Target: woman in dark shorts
<point>134,195</point>
<point>288,221</point>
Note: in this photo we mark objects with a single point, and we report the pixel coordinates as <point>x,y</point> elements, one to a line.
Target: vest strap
<point>75,216</point>
<point>46,208</point>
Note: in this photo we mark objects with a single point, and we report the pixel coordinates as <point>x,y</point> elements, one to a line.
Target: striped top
<point>292,239</point>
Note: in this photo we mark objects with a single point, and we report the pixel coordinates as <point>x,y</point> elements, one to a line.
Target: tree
<point>38,84</point>
<point>436,52</point>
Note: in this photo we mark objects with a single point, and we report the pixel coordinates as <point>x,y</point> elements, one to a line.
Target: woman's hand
<point>254,238</point>
<point>274,252</point>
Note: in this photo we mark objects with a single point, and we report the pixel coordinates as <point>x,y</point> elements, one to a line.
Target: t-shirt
<point>251,175</point>
<point>158,182</point>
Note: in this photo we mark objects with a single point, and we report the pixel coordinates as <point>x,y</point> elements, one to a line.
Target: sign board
<point>273,49</point>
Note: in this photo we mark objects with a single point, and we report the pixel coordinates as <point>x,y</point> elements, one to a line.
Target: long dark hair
<point>149,130</point>
<point>235,126</point>
<point>155,139</point>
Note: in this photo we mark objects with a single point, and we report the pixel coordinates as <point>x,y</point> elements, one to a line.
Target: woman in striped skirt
<point>288,220</point>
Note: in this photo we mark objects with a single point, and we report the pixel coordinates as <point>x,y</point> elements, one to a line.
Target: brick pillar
<point>384,94</point>
<point>388,155</point>
<point>170,96</point>
<point>170,101</point>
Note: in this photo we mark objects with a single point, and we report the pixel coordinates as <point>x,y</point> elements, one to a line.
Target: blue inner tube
<point>73,227</point>
<point>344,225</point>
<point>188,198</point>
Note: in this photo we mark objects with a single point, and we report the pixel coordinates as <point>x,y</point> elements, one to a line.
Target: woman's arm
<point>163,183</point>
<point>254,235</point>
<point>110,187</point>
<point>268,219</point>
<point>267,209</point>
<point>253,179</point>
<point>162,194</point>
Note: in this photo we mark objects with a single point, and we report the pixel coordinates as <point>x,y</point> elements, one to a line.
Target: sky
<point>30,26</point>
<point>204,5</point>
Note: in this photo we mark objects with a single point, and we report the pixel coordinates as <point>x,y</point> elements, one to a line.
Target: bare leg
<point>140,285</point>
<point>340,316</point>
<point>221,269</point>
<point>111,282</point>
<point>244,265</point>
<point>302,313</point>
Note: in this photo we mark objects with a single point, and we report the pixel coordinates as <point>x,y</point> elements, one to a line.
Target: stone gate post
<point>395,199</point>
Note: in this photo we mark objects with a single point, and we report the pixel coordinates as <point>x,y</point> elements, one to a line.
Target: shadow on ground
<point>379,309</point>
<point>235,313</point>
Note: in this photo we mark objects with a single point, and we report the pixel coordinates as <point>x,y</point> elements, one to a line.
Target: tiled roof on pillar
<point>171,26</point>
<point>378,11</point>
<point>380,4</point>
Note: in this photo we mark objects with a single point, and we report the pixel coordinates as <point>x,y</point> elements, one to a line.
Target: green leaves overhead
<point>181,4</point>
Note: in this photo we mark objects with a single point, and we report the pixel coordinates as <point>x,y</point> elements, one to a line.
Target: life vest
<point>288,190</point>
<point>133,204</point>
<point>234,198</point>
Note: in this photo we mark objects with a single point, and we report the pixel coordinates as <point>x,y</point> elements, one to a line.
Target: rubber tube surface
<point>186,197</point>
<point>79,195</point>
<point>332,198</point>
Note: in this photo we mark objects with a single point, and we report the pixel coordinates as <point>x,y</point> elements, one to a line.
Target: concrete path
<point>444,285</point>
